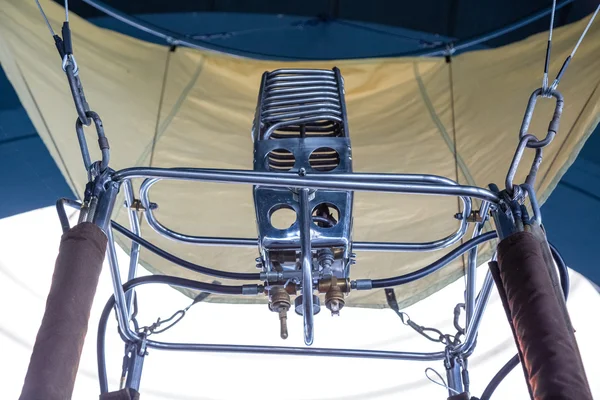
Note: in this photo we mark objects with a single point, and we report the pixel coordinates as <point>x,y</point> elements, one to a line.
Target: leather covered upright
<point>59,342</point>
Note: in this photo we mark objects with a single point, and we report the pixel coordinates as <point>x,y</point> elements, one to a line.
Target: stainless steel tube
<point>359,246</point>
<point>306,254</point>
<point>297,351</point>
<point>453,374</point>
<point>134,223</point>
<point>181,237</point>
<point>106,203</point>
<point>535,206</point>
<point>135,368</point>
<point>313,181</point>
<point>472,266</point>
<point>120,303</point>
<point>274,127</point>
<point>471,333</point>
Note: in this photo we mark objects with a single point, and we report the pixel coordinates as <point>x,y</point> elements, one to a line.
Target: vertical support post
<point>454,377</point>
<point>120,304</point>
<point>106,203</point>
<point>471,284</point>
<point>135,366</point>
<point>472,267</point>
<point>473,326</point>
<point>134,223</point>
<point>59,342</point>
<point>306,254</point>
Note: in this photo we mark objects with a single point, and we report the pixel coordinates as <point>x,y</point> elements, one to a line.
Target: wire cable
<point>562,70</point>
<point>45,18</point>
<point>585,31</point>
<point>548,48</point>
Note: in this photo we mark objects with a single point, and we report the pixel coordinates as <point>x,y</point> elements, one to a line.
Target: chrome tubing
<point>101,210</point>
<point>119,296</point>
<point>473,326</point>
<point>134,256</point>
<point>453,374</point>
<point>472,265</point>
<point>358,246</point>
<point>310,181</point>
<point>181,237</point>
<point>297,351</point>
<point>535,206</point>
<point>306,254</point>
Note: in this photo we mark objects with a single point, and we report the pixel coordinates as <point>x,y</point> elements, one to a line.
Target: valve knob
<point>280,303</point>
<point>334,299</point>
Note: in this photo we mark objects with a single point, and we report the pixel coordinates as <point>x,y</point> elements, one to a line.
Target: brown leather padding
<point>540,322</point>
<point>460,396</point>
<point>57,350</point>
<point>123,394</point>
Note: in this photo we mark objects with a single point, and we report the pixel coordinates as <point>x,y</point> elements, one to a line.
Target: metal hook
<point>514,165</point>
<point>81,104</point>
<point>102,142</point>
<point>455,321</point>
<point>554,122</point>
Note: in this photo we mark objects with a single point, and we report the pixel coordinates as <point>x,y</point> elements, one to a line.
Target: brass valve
<point>334,294</point>
<point>279,302</point>
<point>326,284</point>
<point>334,300</point>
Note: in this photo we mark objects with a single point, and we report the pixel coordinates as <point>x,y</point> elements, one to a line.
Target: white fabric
<point>27,261</point>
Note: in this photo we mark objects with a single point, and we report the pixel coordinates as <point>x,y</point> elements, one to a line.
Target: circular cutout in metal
<point>282,217</point>
<point>325,215</point>
<point>324,159</point>
<point>280,160</point>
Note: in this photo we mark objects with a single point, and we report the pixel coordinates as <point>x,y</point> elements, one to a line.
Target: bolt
<point>458,216</point>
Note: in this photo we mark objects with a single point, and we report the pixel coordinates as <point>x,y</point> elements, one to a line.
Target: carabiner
<point>554,123</point>
<point>514,165</point>
<point>102,142</point>
<point>81,104</point>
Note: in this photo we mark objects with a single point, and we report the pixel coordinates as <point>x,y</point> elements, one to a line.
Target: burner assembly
<point>304,235</point>
<point>303,186</point>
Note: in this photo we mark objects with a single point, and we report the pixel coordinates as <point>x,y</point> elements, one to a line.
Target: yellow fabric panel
<point>400,114</point>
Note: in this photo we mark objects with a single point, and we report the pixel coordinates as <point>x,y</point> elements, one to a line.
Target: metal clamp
<point>102,143</point>
<point>554,122</point>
